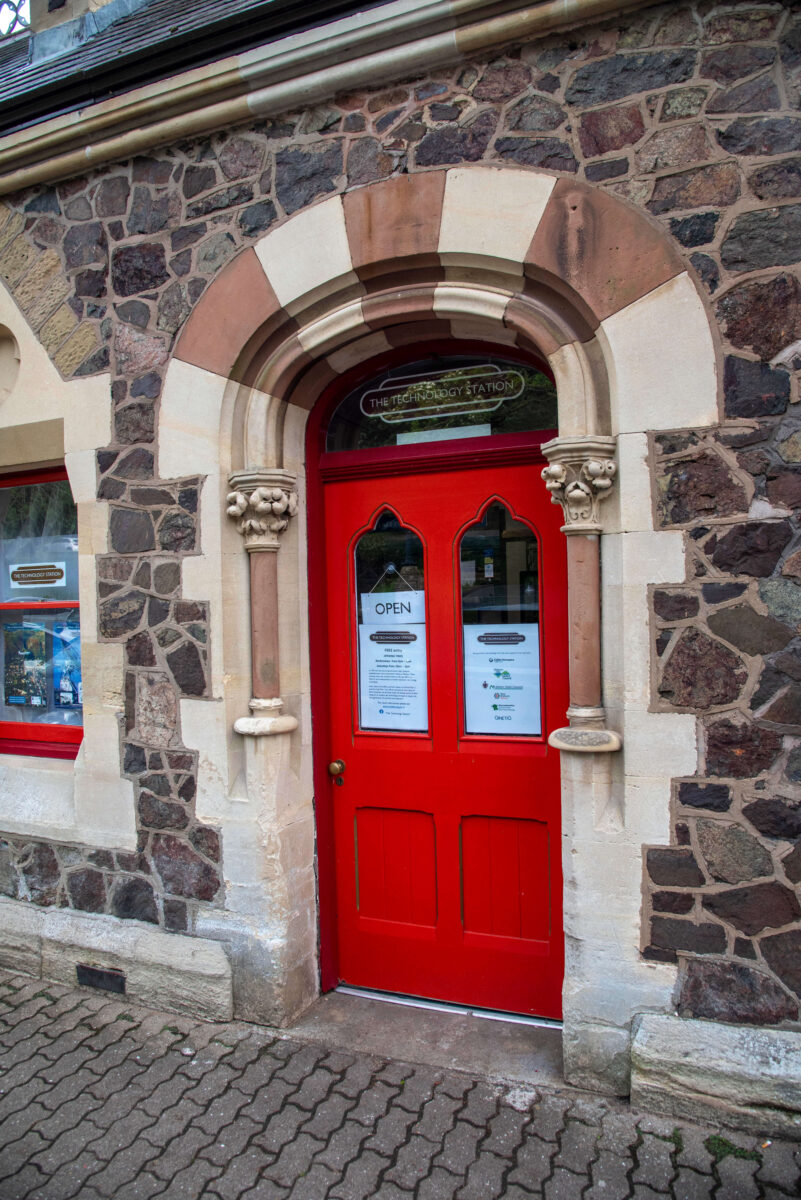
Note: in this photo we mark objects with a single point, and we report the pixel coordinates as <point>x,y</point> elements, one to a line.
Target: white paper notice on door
<point>392,662</point>
<point>502,679</point>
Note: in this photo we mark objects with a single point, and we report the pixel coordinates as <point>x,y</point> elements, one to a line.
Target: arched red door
<point>440,638</point>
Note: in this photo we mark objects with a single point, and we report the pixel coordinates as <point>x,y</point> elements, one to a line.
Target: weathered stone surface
<point>734,993</point>
<point>708,271</point>
<point>683,103</point>
<point>157,611</point>
<point>671,866</point>
<point>735,62</point>
<point>148,385</point>
<point>254,219</point>
<point>215,251</point>
<point>764,316</point>
<point>137,352</point>
<point>152,170</point>
<point>716,797</point>
<point>457,143</point>
<point>238,193</point>
<point>182,870</point>
<point>752,909</point>
<point>134,900</point>
<point>789,663</point>
<point>139,650</point>
<point>679,146</point>
<point>156,813</point>
<point>240,156</point>
<point>138,268</point>
<point>755,95</point>
<point>134,759</point>
<point>769,237</point>
<point>157,709</point>
<point>85,245</point>
<point>40,871</point>
<point>537,114</point>
<point>785,709</point>
<point>121,614</point>
<point>777,181</point>
<point>549,153</point>
<point>135,423</point>
<point>87,890</point>
<point>731,854</point>
<point>774,817</point>
<point>719,593</point>
<point>176,532</point>
<point>672,933</point>
<point>173,308</point>
<point>502,80</point>
<point>718,184</point>
<point>782,599</point>
<point>751,549</point>
<point>136,464</point>
<point>187,235</point>
<point>792,863</point>
<point>761,135</point>
<point>707,1071</point>
<point>675,606</point>
<point>134,312</point>
<point>696,230</point>
<point>698,487</point>
<point>740,751</point>
<point>166,577</point>
<point>749,630</point>
<point>623,75</point>
<point>753,389</point>
<point>673,902</point>
<point>597,172</point>
<point>301,173</point>
<point>207,841</point>
<point>197,180</point>
<point>782,952</point>
<point>187,668</point>
<point>150,214</point>
<point>112,196</point>
<point>701,672</point>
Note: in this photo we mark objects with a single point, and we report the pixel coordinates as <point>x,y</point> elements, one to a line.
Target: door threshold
<point>501,1048</point>
<point>443,1006</point>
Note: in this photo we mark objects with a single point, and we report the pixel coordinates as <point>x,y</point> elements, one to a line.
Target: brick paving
<point>102,1098</point>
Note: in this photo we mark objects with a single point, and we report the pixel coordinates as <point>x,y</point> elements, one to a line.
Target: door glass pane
<point>38,543</point>
<point>390,594</point>
<point>499,570</point>
<point>443,397</point>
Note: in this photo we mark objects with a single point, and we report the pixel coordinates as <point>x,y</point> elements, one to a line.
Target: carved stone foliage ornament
<point>579,475</point>
<point>262,504</point>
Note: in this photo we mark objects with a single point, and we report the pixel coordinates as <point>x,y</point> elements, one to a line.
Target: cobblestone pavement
<point>102,1098</point>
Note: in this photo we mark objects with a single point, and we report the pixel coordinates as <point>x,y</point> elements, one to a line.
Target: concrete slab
<point>449,1038</point>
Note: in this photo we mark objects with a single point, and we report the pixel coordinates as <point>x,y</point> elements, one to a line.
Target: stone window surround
<point>252,374</point>
<point>84,800</point>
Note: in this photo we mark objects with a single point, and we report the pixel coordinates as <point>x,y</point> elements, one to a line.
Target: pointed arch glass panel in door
<point>500,599</point>
<point>391,612</point>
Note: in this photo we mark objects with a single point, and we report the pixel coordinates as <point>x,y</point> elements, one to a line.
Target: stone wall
<point>690,112</point>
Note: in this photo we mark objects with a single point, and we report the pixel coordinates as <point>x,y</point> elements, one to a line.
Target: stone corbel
<point>580,475</point>
<point>262,504</point>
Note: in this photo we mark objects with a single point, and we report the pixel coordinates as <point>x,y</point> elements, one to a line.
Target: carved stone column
<point>580,475</point>
<point>262,503</point>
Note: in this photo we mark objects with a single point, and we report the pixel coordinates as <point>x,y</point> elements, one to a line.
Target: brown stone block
<point>676,147</point>
<point>227,315</point>
<point>399,219</point>
<point>751,909</point>
<point>606,129</point>
<point>699,488</point>
<point>726,991</point>
<point>764,316</point>
<point>605,251</point>
<point>718,184</point>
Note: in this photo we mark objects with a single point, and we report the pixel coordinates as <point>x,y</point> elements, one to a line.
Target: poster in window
<point>502,679</point>
<point>25,658</point>
<point>392,661</point>
<point>67,684</point>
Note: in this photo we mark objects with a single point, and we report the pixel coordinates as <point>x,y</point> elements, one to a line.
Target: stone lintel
<point>743,1076</point>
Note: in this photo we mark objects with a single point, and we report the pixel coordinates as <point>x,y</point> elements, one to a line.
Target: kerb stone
<point>745,1078</point>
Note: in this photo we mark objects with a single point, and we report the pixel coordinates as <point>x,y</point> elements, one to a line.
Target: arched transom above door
<point>521,257</point>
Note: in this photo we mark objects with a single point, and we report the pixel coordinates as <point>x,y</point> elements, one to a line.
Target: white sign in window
<point>392,661</point>
<point>502,679</point>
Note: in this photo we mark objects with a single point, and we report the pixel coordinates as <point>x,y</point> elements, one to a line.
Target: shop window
<point>41,692</point>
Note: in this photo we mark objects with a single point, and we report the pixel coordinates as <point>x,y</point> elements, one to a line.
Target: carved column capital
<point>579,475</point>
<point>261,503</point>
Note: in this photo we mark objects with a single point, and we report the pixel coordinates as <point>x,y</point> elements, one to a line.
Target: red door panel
<point>446,845</point>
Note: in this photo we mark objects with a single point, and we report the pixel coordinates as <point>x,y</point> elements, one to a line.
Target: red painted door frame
<point>475,458</point>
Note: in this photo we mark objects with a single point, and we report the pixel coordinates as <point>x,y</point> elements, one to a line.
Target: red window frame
<point>37,737</point>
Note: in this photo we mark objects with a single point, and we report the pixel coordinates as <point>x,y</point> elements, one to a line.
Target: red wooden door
<point>446,833</point>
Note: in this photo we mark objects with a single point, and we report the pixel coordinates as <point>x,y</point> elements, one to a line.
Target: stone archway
<point>510,256</point>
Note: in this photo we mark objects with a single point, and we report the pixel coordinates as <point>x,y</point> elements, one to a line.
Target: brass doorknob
<point>336,767</point>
